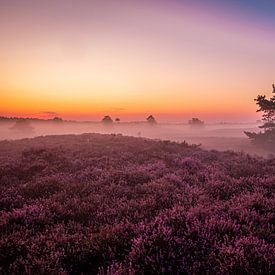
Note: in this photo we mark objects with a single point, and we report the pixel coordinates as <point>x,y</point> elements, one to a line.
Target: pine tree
<point>267,137</point>
<point>151,120</point>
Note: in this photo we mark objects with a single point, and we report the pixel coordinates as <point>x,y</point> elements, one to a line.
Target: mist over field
<point>217,136</point>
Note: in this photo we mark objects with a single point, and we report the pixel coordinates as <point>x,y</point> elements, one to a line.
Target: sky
<point>175,59</point>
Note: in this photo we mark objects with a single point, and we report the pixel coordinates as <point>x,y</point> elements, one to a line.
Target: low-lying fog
<point>210,136</point>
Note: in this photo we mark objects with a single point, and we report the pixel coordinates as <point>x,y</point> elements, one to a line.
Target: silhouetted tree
<point>195,122</point>
<point>150,119</point>
<point>267,137</point>
<point>117,119</point>
<point>107,120</point>
<point>57,119</point>
<point>22,125</point>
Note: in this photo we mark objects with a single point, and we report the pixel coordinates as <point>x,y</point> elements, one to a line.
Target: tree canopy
<point>267,107</point>
<point>195,122</point>
<point>22,125</point>
<point>150,119</point>
<point>107,120</point>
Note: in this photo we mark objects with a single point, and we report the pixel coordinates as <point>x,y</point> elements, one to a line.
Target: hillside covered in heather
<point>109,204</point>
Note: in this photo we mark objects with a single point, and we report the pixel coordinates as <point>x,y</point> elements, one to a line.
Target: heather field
<point>111,204</point>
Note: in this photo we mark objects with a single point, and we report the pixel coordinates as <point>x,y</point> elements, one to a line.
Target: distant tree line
<point>4,118</point>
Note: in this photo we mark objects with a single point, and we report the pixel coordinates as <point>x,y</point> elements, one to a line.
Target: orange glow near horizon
<point>131,60</point>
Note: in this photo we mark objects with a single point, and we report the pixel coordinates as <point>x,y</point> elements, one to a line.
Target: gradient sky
<point>175,59</point>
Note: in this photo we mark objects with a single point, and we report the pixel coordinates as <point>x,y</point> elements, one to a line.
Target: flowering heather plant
<point>107,204</point>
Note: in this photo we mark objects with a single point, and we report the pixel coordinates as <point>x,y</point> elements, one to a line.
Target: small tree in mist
<point>107,120</point>
<point>23,126</point>
<point>151,120</point>
<point>57,119</point>
<point>265,138</point>
<point>196,122</point>
<point>117,120</point>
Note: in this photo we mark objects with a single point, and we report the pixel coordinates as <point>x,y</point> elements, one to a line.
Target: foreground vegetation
<point>120,205</point>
